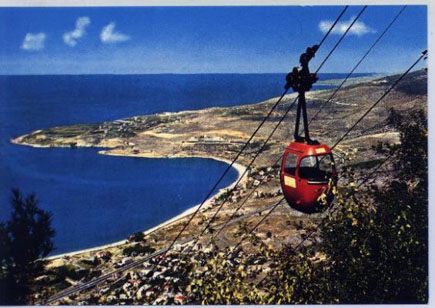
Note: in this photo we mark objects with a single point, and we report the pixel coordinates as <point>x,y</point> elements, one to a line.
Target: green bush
<point>138,249</point>
<point>68,270</point>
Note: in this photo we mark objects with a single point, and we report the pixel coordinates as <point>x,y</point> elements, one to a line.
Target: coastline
<point>240,170</point>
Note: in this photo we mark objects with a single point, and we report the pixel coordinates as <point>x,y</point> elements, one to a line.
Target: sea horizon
<point>236,73</point>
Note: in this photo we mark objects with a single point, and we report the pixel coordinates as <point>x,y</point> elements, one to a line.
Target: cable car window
<point>308,162</point>
<point>290,164</point>
<point>316,168</point>
<point>326,164</point>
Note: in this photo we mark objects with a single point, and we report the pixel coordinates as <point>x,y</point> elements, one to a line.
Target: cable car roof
<point>309,149</point>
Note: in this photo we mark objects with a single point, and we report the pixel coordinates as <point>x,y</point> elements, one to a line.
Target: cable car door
<point>314,175</point>
<point>288,177</point>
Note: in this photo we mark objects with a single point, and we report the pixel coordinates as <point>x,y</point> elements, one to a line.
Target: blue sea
<point>97,199</point>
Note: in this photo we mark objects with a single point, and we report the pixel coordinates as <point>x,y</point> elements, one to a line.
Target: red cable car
<point>308,172</point>
<point>308,175</point>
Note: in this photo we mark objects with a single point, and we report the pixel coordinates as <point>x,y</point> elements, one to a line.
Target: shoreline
<point>239,168</point>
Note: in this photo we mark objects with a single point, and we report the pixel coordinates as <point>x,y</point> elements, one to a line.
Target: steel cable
<point>380,99</point>
<point>341,38</point>
<point>258,223</point>
<point>243,203</point>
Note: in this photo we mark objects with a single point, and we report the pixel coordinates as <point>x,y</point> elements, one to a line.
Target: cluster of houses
<point>118,128</point>
<point>159,281</point>
<point>127,127</point>
<point>206,139</point>
<point>164,280</point>
<point>255,179</point>
<point>210,144</point>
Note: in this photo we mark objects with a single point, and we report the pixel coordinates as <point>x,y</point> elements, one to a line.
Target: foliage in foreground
<point>374,248</point>
<point>24,240</point>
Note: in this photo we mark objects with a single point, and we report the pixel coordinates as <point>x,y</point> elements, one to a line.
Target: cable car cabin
<point>307,172</point>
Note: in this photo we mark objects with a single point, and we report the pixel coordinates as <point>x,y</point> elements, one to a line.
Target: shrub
<point>137,249</point>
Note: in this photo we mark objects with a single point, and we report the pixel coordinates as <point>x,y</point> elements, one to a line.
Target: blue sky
<point>136,40</point>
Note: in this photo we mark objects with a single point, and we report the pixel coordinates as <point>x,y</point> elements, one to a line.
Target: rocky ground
<point>220,132</point>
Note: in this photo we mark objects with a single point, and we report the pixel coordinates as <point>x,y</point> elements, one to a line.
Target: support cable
<point>389,156</point>
<point>423,54</point>
<point>359,62</point>
<point>341,38</point>
<point>259,223</point>
<point>333,25</point>
<point>242,204</point>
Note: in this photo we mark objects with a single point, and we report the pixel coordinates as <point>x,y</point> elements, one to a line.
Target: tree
<point>24,240</point>
<point>377,243</point>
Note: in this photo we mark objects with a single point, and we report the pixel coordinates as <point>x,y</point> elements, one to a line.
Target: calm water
<point>97,199</point>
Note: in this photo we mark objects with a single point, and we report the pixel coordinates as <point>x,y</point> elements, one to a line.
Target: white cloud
<point>71,38</point>
<point>33,41</point>
<point>359,28</point>
<point>108,35</point>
